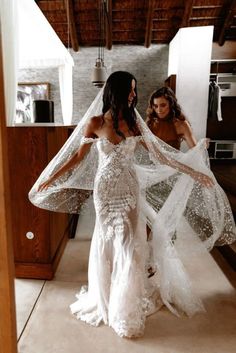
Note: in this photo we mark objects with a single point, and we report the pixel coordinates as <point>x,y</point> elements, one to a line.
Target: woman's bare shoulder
<point>182,124</point>
<point>96,121</point>
<point>93,125</point>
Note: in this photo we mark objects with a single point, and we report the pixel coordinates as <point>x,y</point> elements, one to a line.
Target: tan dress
<point>165,129</point>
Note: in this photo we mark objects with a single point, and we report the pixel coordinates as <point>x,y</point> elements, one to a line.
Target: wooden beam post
<point>72,26</point>
<point>227,23</point>
<point>187,13</point>
<point>148,34</point>
<point>108,21</point>
<point>8,339</point>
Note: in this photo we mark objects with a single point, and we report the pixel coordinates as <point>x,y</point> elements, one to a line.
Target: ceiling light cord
<point>99,72</point>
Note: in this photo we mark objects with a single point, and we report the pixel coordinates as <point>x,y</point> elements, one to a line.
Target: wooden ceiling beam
<point>227,22</point>
<point>149,21</point>
<point>45,5</point>
<point>187,13</point>
<point>71,24</point>
<point>108,23</point>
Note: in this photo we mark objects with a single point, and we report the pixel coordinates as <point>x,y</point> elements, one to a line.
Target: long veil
<point>185,217</point>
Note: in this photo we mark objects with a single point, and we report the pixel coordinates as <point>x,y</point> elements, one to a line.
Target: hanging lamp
<point>99,73</point>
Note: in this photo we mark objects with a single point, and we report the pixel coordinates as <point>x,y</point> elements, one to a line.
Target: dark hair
<point>115,98</point>
<point>175,109</point>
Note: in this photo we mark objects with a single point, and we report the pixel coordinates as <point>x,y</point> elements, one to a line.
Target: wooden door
<point>7,300</point>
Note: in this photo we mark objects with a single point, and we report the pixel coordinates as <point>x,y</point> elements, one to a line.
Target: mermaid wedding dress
<point>119,293</point>
<point>132,185</point>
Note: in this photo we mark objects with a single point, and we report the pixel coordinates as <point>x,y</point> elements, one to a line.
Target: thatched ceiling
<point>137,21</point>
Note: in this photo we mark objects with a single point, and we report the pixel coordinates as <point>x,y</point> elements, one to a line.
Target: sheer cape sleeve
<point>69,192</point>
<point>159,181</point>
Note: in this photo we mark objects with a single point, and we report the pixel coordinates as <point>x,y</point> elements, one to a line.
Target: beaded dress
<point>165,129</point>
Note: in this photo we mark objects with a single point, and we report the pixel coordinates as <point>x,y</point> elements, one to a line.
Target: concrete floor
<point>45,324</point>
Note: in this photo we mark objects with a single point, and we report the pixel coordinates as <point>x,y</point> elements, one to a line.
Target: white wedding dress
<point>119,292</point>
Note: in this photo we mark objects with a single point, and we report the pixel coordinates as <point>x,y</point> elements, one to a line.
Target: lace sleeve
<point>167,160</point>
<point>88,140</point>
<point>201,177</point>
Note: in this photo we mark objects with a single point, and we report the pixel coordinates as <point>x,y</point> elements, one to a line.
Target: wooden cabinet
<point>39,236</point>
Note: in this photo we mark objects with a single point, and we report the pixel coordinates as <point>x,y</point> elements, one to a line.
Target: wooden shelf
<point>222,149</point>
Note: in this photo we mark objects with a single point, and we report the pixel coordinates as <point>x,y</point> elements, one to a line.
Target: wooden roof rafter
<point>71,24</point>
<point>46,5</point>
<point>187,13</point>
<point>227,23</point>
<point>136,21</point>
<point>108,22</point>
<point>149,23</point>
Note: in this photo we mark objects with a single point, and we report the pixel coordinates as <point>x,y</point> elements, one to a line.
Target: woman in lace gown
<point>119,292</point>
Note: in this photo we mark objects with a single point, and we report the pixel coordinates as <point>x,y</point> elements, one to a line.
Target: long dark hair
<point>175,109</point>
<point>115,98</point>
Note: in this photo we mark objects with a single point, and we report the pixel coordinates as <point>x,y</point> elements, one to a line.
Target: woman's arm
<point>74,160</point>
<point>198,176</point>
<point>184,128</point>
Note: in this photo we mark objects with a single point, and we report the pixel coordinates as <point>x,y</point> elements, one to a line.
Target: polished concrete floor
<point>45,325</point>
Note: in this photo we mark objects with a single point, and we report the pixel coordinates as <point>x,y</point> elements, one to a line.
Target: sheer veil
<point>185,217</point>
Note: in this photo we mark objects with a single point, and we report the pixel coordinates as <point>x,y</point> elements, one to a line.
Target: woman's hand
<point>208,142</point>
<point>45,184</point>
<point>203,179</point>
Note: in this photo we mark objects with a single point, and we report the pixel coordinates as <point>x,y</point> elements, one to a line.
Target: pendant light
<point>99,73</point>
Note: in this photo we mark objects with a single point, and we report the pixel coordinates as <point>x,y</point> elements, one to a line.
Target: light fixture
<point>99,73</point>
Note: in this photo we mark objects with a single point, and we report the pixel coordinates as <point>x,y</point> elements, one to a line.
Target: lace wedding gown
<point>119,292</point>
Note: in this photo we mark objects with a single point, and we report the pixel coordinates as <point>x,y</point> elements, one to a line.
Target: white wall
<point>189,58</point>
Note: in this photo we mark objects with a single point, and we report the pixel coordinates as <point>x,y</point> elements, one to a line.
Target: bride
<point>115,154</point>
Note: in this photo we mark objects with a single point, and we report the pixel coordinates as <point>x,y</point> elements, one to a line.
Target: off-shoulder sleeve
<point>139,138</point>
<point>88,140</point>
